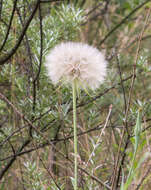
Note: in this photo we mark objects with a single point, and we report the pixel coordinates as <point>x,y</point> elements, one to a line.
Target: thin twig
<point>99,137</point>
<point>122,85</point>
<point>122,22</point>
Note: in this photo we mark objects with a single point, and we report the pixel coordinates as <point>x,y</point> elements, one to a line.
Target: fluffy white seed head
<point>76,61</point>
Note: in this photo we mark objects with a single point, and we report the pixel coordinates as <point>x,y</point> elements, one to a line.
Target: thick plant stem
<point>75,135</point>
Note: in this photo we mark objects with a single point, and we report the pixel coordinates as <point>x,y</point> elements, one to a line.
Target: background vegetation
<point>114,122</point>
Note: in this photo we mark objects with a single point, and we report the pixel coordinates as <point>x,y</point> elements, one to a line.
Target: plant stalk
<point>75,135</point>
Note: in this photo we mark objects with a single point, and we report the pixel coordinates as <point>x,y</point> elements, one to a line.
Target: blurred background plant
<point>42,158</point>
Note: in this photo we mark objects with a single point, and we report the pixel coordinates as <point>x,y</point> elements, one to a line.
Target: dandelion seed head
<point>76,61</point>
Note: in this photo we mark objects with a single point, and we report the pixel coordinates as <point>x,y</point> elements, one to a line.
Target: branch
<point>9,26</point>
<point>103,93</point>
<point>1,6</point>
<point>4,59</point>
<point>5,169</point>
<point>122,22</point>
<point>40,60</point>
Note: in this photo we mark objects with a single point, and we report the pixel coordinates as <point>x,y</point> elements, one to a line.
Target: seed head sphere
<point>71,61</point>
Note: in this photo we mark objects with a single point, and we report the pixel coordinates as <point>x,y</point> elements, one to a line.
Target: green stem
<point>75,135</point>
